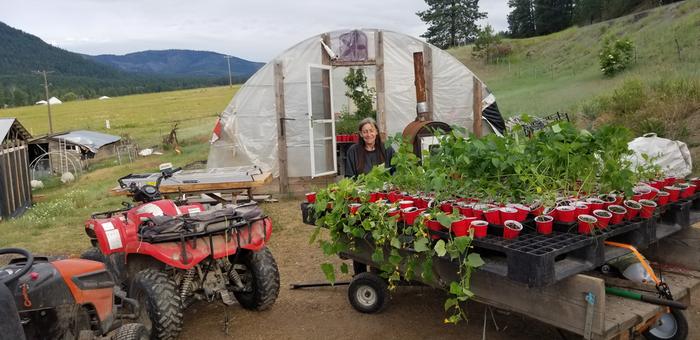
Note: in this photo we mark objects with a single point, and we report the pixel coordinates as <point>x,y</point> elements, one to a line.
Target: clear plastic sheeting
<point>672,156</point>
<point>250,124</point>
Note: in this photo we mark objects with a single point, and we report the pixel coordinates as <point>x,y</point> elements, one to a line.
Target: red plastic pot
<point>433,225</point>
<point>648,207</point>
<point>478,210</point>
<point>374,196</point>
<point>506,213</point>
<point>466,210</point>
<point>410,214</point>
<point>674,193</point>
<point>394,212</point>
<point>537,208</point>
<point>582,209</point>
<point>354,207</point>
<point>668,181</point>
<point>607,199</point>
<point>479,228</point>
<point>603,217</point>
<point>493,215</point>
<point>460,227</point>
<point>586,224</point>
<point>544,224</point>
<point>522,211</point>
<point>511,229</point>
<point>566,214</point>
<point>662,198</point>
<point>403,204</point>
<point>595,204</point>
<point>311,197</point>
<point>549,211</point>
<point>446,206</point>
<point>695,181</point>
<point>618,213</point>
<point>633,208</point>
<point>394,196</point>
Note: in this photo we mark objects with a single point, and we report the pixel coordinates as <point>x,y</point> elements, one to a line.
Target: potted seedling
<point>511,229</point>
<point>479,228</point>
<point>618,213</point>
<point>544,224</point>
<point>648,207</point>
<point>565,214</point>
<point>586,224</point>
<point>662,198</point>
<point>633,208</point>
<point>603,217</point>
<point>674,192</point>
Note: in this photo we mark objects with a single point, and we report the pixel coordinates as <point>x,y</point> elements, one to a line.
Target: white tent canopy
<point>247,132</point>
<point>54,101</point>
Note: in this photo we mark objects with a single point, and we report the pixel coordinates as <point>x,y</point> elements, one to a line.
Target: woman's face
<point>368,133</point>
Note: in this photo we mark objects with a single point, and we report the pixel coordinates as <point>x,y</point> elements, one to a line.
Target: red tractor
<point>167,254</point>
<point>63,299</point>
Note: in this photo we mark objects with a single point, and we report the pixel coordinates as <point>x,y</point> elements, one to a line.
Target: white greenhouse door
<point>321,122</point>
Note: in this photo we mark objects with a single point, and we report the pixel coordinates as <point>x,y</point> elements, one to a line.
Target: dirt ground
<point>324,313</point>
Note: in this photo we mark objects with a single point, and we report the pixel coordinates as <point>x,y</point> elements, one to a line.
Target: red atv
<point>167,254</point>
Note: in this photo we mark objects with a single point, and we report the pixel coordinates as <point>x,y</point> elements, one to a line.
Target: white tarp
<point>249,123</point>
<point>672,156</point>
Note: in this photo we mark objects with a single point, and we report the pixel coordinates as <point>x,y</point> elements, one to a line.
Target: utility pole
<point>228,61</point>
<point>46,91</point>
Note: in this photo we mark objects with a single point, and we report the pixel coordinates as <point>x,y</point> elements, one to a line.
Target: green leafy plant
<point>360,93</point>
<point>615,56</point>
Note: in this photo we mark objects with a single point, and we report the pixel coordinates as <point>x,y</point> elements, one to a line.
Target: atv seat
<point>170,228</point>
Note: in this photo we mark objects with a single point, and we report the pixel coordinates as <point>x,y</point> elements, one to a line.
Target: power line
<point>48,102</point>
<point>228,61</point>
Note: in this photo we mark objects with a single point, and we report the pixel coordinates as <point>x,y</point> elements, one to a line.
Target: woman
<point>368,152</point>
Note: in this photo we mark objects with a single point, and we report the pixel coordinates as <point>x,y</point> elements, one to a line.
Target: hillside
<point>183,63</point>
<point>72,76</point>
<point>560,71</point>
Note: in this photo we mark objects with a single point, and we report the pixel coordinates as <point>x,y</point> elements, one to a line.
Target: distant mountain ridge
<point>184,63</point>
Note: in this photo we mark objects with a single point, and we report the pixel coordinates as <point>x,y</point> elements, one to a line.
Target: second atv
<point>167,254</point>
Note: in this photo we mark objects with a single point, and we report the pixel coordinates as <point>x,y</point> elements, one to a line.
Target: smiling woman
<point>368,151</point>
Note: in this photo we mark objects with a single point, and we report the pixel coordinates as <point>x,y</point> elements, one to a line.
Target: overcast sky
<point>256,30</point>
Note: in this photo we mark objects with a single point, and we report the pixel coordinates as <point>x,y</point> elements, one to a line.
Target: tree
<point>451,22</point>
<point>488,46</point>
<point>521,20</point>
<point>552,15</point>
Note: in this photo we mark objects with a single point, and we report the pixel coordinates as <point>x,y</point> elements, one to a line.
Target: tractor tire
<point>93,254</point>
<point>131,331</point>
<point>671,326</point>
<point>261,273</point>
<point>368,293</point>
<point>161,309</point>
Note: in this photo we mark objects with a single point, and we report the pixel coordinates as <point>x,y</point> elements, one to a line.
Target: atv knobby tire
<point>262,274</point>
<point>94,254</point>
<point>131,331</point>
<point>161,309</point>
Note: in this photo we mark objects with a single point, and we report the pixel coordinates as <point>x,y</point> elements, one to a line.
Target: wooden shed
<point>15,187</point>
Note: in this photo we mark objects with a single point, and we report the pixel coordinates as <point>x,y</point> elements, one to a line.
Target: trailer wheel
<point>368,293</point>
<point>671,326</point>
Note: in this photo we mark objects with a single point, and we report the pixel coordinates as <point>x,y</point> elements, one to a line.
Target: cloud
<point>255,30</point>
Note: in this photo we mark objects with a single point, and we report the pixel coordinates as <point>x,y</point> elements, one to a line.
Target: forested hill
<point>22,53</point>
<point>74,76</point>
<point>180,63</point>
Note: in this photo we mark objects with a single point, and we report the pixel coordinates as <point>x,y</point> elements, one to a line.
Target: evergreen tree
<point>552,15</point>
<point>521,21</point>
<point>451,22</point>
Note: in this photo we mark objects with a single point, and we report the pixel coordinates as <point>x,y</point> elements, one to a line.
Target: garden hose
<point>645,298</point>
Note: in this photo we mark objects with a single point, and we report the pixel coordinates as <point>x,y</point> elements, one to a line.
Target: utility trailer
<point>578,302</point>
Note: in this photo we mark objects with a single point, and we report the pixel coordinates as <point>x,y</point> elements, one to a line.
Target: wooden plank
<point>341,63</point>
<point>281,122</point>
<point>26,168</point>
<point>11,183</point>
<point>379,79</point>
<point>5,199</point>
<point>419,82</point>
<point>428,73</point>
<point>476,107</point>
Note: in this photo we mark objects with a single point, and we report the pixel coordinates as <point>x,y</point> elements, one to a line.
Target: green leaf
<point>445,220</point>
<point>440,248</point>
<point>462,243</point>
<point>455,289</point>
<point>344,268</point>
<point>467,293</point>
<point>421,244</point>
<point>556,128</point>
<point>475,260</point>
<point>449,303</point>
<point>378,255</point>
<point>329,271</point>
<point>314,235</point>
<point>395,242</point>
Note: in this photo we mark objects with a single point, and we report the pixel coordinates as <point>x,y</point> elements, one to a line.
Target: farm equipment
<point>63,299</point>
<point>168,254</point>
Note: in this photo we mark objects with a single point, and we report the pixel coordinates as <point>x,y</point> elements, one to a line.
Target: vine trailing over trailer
<point>557,162</point>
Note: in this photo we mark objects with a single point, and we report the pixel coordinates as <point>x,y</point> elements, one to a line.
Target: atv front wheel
<point>260,276</point>
<point>161,309</point>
